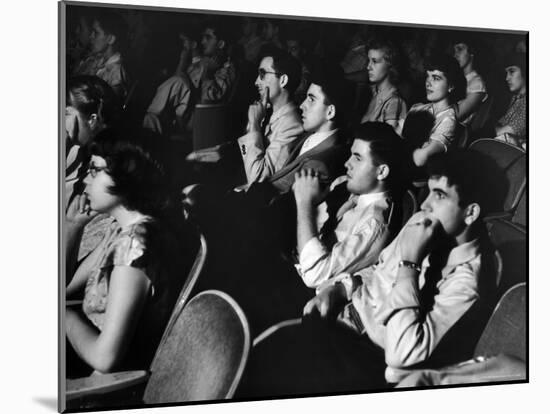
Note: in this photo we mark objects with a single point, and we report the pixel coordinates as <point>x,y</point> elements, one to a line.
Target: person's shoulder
<point>418,107</point>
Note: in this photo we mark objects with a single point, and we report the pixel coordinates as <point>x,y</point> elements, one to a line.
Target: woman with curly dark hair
<point>128,282</point>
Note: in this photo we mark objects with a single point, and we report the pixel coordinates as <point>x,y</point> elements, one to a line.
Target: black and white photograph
<point>258,206</point>
<point>274,206</point>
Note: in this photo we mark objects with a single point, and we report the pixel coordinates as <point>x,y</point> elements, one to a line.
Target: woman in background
<point>386,104</point>
<point>445,85</point>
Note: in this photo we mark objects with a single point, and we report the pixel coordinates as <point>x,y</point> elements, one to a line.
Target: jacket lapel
<point>295,159</point>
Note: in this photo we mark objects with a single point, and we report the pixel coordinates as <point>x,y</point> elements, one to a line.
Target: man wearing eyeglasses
<point>274,122</point>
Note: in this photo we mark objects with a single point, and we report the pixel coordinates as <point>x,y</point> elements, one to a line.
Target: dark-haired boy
<point>421,303</point>
<point>357,230</point>
<point>105,60</point>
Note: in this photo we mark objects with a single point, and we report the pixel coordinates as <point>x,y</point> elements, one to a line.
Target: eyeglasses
<point>263,72</point>
<point>93,169</point>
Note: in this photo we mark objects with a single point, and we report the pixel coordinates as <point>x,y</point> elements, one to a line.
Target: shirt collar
<point>365,200</point>
<point>314,140</point>
<point>384,93</point>
<point>318,137</point>
<point>283,110</point>
<point>113,59</point>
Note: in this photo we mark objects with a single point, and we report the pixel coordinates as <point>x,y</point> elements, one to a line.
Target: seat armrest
<point>98,384</point>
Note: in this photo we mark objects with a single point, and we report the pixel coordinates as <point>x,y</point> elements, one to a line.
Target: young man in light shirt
<point>424,302</point>
<point>361,226</point>
<point>269,140</point>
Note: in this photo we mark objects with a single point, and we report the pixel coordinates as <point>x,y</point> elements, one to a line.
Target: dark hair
<point>450,67</point>
<point>468,39</point>
<point>476,177</point>
<point>112,23</point>
<point>285,63</point>
<point>92,95</point>
<point>386,147</point>
<point>337,91</point>
<point>220,29</point>
<point>518,59</point>
<point>137,166</point>
<point>392,55</point>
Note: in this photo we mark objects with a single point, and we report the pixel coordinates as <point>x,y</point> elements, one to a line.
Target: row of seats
<point>204,349</point>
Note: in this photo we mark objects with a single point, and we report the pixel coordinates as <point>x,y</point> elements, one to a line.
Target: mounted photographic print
<point>262,207</point>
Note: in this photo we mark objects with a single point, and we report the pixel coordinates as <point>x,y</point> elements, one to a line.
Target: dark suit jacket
<point>327,159</point>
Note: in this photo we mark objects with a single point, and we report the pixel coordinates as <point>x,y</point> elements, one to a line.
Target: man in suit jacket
<point>323,148</point>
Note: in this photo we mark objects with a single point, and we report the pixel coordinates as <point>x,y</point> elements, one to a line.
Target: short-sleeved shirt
<point>445,122</point>
<point>386,105</point>
<point>516,116</point>
<point>121,247</point>
<point>474,84</point>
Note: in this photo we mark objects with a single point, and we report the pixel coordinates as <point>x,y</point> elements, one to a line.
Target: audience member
<point>445,85</point>
<point>512,127</point>
<point>429,286</point>
<point>274,123</point>
<point>213,74</point>
<point>128,282</point>
<point>91,107</point>
<point>476,92</point>
<point>386,104</point>
<point>170,110</point>
<point>106,60</point>
<point>296,46</point>
<point>359,227</point>
<point>250,40</point>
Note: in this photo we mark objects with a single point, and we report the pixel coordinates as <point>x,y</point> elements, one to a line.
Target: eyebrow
<point>439,190</point>
<point>310,95</point>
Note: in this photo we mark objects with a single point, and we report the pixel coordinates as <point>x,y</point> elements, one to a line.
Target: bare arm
<point>469,105</point>
<point>421,155</point>
<point>128,289</point>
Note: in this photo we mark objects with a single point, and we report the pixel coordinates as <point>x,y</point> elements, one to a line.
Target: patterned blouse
<point>516,116</point>
<point>121,247</point>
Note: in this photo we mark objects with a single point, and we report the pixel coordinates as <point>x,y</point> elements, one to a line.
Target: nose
<point>87,179</point>
<point>369,65</point>
<point>426,204</point>
<point>347,165</point>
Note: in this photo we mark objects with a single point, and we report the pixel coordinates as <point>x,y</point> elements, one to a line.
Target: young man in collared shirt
<point>363,221</point>
<point>399,313</point>
<point>106,61</point>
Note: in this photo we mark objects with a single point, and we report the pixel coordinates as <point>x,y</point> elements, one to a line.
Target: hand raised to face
<point>307,188</point>
<point>257,111</point>
<point>417,236</point>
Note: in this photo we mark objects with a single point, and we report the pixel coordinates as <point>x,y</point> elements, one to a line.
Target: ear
<point>383,172</point>
<point>283,80</point>
<point>472,214</point>
<point>451,88</point>
<point>221,44</point>
<point>111,39</point>
<point>93,121</point>
<point>331,112</point>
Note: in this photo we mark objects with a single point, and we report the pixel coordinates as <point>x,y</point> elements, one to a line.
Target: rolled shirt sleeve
<point>411,335</point>
<point>358,250</point>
